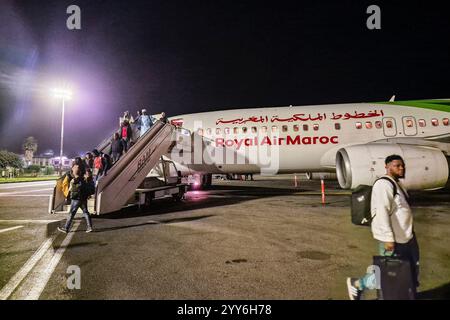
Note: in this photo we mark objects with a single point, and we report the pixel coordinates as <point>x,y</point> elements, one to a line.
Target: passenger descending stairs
<point>119,185</point>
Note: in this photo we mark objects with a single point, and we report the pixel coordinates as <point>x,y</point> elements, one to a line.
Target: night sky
<point>193,56</point>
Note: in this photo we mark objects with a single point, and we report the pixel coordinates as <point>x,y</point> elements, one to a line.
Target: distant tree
<point>34,169</point>
<point>3,159</point>
<point>10,159</point>
<point>49,170</point>
<point>30,143</point>
<point>29,146</point>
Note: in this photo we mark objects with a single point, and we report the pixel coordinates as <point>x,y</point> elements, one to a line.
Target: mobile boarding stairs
<point>115,190</point>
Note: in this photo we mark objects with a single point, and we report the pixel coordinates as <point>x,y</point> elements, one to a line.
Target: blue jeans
<point>409,250</point>
<point>74,205</point>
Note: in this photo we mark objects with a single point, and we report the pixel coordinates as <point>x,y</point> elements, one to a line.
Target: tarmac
<point>262,239</point>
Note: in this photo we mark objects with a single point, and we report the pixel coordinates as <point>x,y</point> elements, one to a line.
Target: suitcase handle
<point>393,261</point>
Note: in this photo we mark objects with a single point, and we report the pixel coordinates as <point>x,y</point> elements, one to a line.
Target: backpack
<point>360,203</point>
<point>76,189</point>
<point>66,184</point>
<point>89,187</point>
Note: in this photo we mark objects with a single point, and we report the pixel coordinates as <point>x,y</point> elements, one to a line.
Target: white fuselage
<point>309,137</point>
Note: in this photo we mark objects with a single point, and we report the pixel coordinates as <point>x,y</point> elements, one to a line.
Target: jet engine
<point>426,168</point>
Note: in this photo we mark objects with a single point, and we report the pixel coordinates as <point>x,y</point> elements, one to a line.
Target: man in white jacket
<point>392,224</point>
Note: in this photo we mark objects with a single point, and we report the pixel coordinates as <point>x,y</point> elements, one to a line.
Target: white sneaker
<point>63,230</point>
<point>353,292</point>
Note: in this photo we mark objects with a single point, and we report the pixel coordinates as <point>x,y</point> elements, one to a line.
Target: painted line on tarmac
<point>9,288</point>
<point>28,185</point>
<point>27,191</point>
<point>28,221</point>
<point>30,281</point>
<point>10,229</point>
<point>45,269</point>
<point>26,195</point>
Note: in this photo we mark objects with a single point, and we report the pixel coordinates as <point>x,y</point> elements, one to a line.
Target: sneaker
<point>63,230</point>
<point>89,230</point>
<point>353,292</point>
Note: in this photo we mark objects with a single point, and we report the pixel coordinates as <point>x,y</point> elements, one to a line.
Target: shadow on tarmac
<point>167,221</point>
<point>439,293</point>
<point>217,196</point>
<point>223,195</point>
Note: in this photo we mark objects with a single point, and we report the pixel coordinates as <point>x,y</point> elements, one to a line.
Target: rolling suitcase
<point>396,278</point>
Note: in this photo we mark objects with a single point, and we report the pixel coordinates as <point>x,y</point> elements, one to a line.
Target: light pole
<point>63,94</point>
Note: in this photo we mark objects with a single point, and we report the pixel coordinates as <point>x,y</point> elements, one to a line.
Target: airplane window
<point>368,125</point>
<point>445,121</point>
<point>337,126</point>
<point>274,128</point>
<point>200,131</point>
<point>254,130</point>
<point>435,122</point>
<point>378,124</point>
<point>244,129</point>
<point>208,131</point>
<point>422,123</point>
<point>217,130</point>
<point>409,123</point>
<point>389,124</point>
<point>264,129</point>
<point>235,130</point>
<point>226,130</point>
<point>358,125</point>
<point>296,128</point>
<point>315,127</point>
<point>284,128</point>
<point>305,127</point>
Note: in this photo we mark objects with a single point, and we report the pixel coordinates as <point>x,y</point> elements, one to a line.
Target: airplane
<point>351,140</point>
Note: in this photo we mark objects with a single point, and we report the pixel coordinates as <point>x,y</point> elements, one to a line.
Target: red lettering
<point>289,140</point>
<point>334,140</point>
<point>306,140</point>
<point>238,143</point>
<point>229,143</point>
<point>266,140</point>
<point>219,142</point>
<point>324,140</point>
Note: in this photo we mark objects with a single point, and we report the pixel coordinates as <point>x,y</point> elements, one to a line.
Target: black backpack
<point>89,186</point>
<point>76,193</point>
<point>360,203</point>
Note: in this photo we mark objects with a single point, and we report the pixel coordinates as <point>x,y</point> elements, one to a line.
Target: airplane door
<point>389,127</point>
<point>409,126</point>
